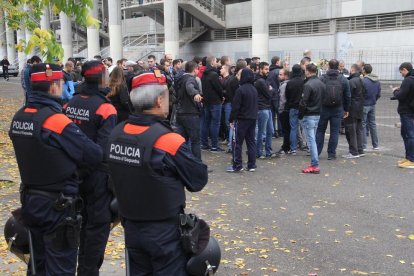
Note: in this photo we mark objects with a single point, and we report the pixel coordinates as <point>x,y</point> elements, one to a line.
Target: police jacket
<point>150,166</point>
<point>93,113</point>
<point>187,89</point>
<point>49,147</point>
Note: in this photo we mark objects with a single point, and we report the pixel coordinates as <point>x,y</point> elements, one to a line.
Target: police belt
<point>61,201</point>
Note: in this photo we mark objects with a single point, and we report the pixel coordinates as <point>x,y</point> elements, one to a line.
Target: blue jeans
<point>407,133</point>
<point>310,125</point>
<point>370,127</point>
<point>211,125</point>
<point>264,124</point>
<point>294,123</point>
<point>334,117</point>
<point>227,111</point>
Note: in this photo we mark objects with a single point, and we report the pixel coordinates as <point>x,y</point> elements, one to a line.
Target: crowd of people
<point>102,139</point>
<point>206,110</point>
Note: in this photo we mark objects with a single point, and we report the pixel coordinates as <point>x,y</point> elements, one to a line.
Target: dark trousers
<point>245,129</point>
<point>43,220</point>
<point>6,73</point>
<point>333,116</point>
<point>188,126</point>
<point>284,120</point>
<point>96,223</point>
<point>354,131</point>
<point>407,133</point>
<point>154,249</point>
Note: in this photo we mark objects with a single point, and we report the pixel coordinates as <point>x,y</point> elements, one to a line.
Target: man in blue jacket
<point>372,94</point>
<point>68,86</point>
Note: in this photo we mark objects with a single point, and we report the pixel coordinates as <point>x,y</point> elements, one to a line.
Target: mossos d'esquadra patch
<point>23,127</point>
<point>125,153</point>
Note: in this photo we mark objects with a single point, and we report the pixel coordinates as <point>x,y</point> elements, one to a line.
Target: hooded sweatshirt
<point>212,89</point>
<point>372,89</point>
<point>244,105</point>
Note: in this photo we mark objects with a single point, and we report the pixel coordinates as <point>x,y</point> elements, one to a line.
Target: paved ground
<point>355,218</point>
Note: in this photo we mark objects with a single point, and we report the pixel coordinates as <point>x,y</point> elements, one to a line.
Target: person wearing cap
<point>150,166</point>
<point>96,117</point>
<point>50,150</point>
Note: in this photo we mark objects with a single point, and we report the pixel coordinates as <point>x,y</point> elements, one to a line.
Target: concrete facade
<point>171,31</point>
<point>93,34</point>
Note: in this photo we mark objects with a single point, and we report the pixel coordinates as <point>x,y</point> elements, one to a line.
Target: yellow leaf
<point>402,261</point>
<point>411,236</point>
<point>263,256</point>
<point>349,232</point>
<point>356,272</point>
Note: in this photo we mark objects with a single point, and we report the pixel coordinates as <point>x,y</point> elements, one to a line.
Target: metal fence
<point>384,62</point>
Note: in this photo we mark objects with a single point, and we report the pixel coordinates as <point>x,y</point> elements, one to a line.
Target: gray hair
<point>145,96</point>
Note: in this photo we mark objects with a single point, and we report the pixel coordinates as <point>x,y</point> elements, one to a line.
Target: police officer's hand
<point>198,98</point>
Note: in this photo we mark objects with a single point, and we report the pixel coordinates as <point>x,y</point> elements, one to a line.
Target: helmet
<point>207,261</point>
<point>115,218</point>
<point>17,238</point>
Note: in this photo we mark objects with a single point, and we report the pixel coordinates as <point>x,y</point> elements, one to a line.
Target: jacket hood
<point>332,72</point>
<point>354,75</point>
<point>372,77</point>
<point>209,69</point>
<point>247,76</point>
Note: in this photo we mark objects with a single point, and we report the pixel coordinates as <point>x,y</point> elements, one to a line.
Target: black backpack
<point>333,95</point>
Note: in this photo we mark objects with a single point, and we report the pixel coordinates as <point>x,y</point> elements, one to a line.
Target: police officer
<point>96,117</point>
<point>49,148</point>
<point>150,167</point>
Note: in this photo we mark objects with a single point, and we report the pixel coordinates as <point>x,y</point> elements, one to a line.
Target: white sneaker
<point>350,156</point>
<point>376,148</point>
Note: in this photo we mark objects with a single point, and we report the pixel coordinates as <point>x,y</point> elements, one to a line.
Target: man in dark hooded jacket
<point>353,123</point>
<point>243,117</point>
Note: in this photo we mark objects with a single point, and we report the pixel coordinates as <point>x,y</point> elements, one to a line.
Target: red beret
<point>155,77</point>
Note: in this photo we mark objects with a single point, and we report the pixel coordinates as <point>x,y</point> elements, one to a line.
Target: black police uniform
<point>150,166</point>
<point>96,117</point>
<point>48,149</point>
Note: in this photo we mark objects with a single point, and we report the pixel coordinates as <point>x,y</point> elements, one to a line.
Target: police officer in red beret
<point>150,167</point>
<point>96,117</point>
<point>49,150</point>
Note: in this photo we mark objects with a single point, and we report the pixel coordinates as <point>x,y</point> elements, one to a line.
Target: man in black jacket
<point>232,84</point>
<point>5,64</point>
<point>188,107</point>
<point>264,114</point>
<point>333,114</point>
<point>405,97</point>
<point>353,123</point>
<point>310,107</point>
<point>243,118</point>
<point>294,90</point>
<point>273,81</point>
<point>213,98</point>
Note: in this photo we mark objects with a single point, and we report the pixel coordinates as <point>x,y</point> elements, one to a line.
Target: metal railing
<point>215,7</point>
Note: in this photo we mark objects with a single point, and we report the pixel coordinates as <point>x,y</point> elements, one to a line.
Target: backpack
<point>334,93</point>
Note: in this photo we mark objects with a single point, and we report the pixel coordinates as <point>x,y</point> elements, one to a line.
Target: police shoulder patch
<point>169,142</point>
<point>56,123</point>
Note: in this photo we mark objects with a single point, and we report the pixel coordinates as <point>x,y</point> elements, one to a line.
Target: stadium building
<point>377,31</point>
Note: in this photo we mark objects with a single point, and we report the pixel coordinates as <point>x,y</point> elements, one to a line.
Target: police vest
<point>143,195</point>
<point>81,109</point>
<point>41,166</point>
